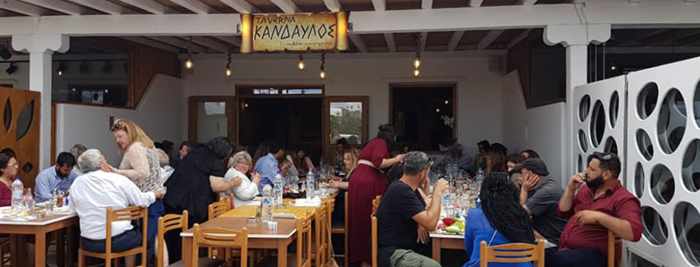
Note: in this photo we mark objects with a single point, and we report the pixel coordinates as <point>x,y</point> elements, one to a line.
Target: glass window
<point>346,122</point>
<point>211,120</point>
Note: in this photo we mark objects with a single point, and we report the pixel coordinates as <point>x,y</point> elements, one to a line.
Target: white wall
<point>19,79</point>
<point>160,114</point>
<point>478,88</point>
<point>540,128</point>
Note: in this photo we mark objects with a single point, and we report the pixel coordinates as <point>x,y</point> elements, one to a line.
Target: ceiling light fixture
<point>188,63</point>
<point>323,66</point>
<point>228,65</point>
<point>300,65</point>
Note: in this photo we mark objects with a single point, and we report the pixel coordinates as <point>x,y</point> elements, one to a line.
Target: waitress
<point>366,182</point>
<point>141,165</point>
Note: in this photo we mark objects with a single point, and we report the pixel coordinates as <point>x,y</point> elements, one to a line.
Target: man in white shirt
<point>95,191</point>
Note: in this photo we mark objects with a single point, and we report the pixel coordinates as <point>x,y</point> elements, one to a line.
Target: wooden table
<point>249,211</point>
<point>259,237</point>
<point>39,228</point>
<point>445,241</point>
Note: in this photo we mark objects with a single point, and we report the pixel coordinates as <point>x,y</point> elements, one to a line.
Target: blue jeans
<point>574,258</point>
<point>155,210</point>
<point>122,242</point>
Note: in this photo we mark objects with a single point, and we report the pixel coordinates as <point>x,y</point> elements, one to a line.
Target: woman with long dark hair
<point>499,220</point>
<point>366,182</point>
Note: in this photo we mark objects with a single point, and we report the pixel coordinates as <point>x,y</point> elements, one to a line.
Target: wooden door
<point>19,129</point>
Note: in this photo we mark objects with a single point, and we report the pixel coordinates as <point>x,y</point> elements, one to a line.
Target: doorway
<point>289,116</point>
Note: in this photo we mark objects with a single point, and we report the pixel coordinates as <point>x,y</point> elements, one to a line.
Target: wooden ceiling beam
<point>63,7</point>
<point>489,39</point>
<point>102,6</point>
<point>242,6</point>
<point>455,40</point>
<point>195,6</point>
<point>148,5</point>
<point>20,7</point>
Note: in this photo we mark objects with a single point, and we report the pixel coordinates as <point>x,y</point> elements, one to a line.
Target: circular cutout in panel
<point>639,180</point>
<point>610,145</point>
<point>614,108</point>
<point>691,167</point>
<point>696,104</point>
<point>646,101</point>
<point>655,229</point>
<point>686,224</point>
<point>662,185</point>
<point>597,123</point>
<point>584,108</point>
<point>580,163</point>
<point>671,123</point>
<point>644,144</point>
<point>582,141</point>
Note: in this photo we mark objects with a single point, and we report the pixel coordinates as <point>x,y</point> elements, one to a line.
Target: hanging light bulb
<point>300,65</point>
<point>61,68</point>
<point>188,63</point>
<point>323,66</point>
<point>416,72</point>
<point>416,62</point>
<point>228,65</point>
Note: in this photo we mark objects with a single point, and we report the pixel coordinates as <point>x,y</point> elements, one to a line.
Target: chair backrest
<point>166,224</point>
<point>374,241</point>
<point>218,208</point>
<point>126,214</point>
<point>513,253</point>
<point>375,203</point>
<point>220,238</point>
<point>322,238</point>
<point>346,259</point>
<point>614,249</point>
<point>304,240</point>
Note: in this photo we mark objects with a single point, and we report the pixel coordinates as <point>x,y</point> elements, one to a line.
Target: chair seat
<point>102,255</point>
<point>338,230</point>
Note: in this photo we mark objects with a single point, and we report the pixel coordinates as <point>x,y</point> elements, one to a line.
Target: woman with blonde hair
<point>350,159</point>
<point>239,165</point>
<point>141,165</point>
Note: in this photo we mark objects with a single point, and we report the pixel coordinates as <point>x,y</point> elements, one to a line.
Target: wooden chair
<point>512,253</point>
<point>126,214</point>
<point>5,251</point>
<point>375,203</point>
<point>321,233</point>
<point>166,224</point>
<point>614,249</point>
<point>329,227</point>
<point>218,208</point>
<point>374,241</point>
<point>346,259</point>
<point>215,210</point>
<point>220,238</point>
<point>304,241</point>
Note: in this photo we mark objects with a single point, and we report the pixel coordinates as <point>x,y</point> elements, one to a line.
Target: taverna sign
<point>294,32</point>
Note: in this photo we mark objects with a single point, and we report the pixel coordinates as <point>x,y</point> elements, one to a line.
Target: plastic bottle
<point>28,199</point>
<point>310,185</point>
<point>267,201</point>
<point>278,190</point>
<point>17,191</point>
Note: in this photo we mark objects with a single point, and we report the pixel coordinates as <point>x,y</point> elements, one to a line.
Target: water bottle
<point>17,191</point>
<point>267,203</point>
<point>28,199</point>
<point>310,185</point>
<point>446,204</point>
<point>278,190</point>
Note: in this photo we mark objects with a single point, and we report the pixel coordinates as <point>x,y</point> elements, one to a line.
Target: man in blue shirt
<point>267,166</point>
<point>58,177</point>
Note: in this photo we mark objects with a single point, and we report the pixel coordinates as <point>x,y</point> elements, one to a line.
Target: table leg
<point>436,249</point>
<point>14,251</point>
<point>187,251</point>
<point>40,249</point>
<point>60,247</point>
<point>281,254</point>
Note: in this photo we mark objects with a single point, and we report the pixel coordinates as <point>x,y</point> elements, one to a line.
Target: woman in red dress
<point>8,172</point>
<point>367,182</point>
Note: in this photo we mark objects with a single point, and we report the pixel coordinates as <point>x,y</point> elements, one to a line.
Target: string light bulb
<point>323,66</point>
<point>300,65</point>
<point>228,65</point>
<point>416,62</point>
<point>416,72</point>
<point>188,63</point>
